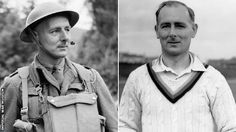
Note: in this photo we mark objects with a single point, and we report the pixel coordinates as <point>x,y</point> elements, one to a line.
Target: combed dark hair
<point>171,3</point>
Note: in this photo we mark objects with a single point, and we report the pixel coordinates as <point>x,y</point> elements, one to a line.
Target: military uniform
<point>71,84</point>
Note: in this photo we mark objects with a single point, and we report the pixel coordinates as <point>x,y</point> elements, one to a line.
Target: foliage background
<point>98,47</point>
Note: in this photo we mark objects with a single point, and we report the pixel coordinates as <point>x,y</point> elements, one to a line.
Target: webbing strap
<point>23,73</point>
<point>85,78</point>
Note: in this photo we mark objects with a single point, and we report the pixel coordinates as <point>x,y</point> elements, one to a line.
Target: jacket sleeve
<point>130,108</point>
<point>106,104</point>
<point>11,96</point>
<point>223,106</point>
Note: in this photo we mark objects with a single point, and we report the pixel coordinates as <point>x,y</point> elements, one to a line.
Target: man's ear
<point>156,30</point>
<point>195,27</point>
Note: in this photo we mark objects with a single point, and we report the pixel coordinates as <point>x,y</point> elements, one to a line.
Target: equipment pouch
<point>74,112</point>
<point>22,126</point>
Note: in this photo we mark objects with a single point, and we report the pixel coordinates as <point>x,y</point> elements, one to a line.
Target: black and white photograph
<point>117,66</point>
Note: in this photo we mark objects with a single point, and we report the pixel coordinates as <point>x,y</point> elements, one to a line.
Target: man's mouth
<point>173,42</point>
<point>62,46</point>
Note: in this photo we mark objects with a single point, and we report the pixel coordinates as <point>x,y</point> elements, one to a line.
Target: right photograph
<point>177,66</point>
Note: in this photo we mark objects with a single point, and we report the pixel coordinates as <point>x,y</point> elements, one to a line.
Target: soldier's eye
<point>54,31</point>
<point>67,29</point>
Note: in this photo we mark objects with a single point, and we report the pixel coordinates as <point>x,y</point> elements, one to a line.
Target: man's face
<point>54,36</point>
<point>175,30</point>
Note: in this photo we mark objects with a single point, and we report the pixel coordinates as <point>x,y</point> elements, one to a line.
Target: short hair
<point>171,3</point>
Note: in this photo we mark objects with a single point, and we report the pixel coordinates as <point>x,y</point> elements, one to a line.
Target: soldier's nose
<point>65,36</point>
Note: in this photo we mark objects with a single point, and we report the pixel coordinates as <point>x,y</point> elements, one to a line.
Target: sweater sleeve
<point>130,108</point>
<point>223,107</point>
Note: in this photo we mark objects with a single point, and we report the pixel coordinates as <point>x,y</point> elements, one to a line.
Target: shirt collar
<point>48,66</point>
<point>195,65</point>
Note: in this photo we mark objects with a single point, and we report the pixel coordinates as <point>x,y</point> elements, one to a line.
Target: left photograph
<point>58,66</point>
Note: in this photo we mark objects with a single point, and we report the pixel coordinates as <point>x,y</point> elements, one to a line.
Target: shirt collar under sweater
<point>195,65</point>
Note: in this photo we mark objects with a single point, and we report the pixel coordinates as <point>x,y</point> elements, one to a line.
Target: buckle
<point>84,85</point>
<point>39,91</point>
<point>24,111</point>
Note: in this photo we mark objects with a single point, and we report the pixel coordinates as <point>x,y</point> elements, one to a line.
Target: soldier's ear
<point>36,38</point>
<point>33,34</point>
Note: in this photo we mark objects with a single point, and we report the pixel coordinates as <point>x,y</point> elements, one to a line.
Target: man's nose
<point>65,36</point>
<point>172,32</point>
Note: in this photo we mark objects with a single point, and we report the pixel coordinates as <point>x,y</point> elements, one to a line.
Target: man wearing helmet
<point>48,26</point>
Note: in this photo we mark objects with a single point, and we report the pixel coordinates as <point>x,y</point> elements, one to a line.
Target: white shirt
<point>173,79</point>
<point>208,106</point>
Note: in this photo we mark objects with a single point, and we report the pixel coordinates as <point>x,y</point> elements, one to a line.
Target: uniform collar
<point>69,72</point>
<point>64,63</point>
<point>48,66</point>
<point>195,65</point>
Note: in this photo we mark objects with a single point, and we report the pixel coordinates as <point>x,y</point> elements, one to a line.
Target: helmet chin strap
<point>37,41</point>
<point>34,37</point>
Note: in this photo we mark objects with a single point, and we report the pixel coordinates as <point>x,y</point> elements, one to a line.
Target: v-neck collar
<point>166,91</point>
<point>195,65</point>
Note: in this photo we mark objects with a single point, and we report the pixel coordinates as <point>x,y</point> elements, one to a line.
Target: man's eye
<point>164,26</point>
<point>180,26</point>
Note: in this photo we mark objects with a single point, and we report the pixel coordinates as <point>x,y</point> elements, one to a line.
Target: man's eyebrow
<point>180,23</point>
<point>164,23</point>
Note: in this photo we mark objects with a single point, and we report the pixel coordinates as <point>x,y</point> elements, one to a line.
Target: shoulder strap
<point>85,77</point>
<point>24,73</point>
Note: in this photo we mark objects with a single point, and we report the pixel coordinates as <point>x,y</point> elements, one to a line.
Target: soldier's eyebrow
<point>68,27</point>
<point>58,27</point>
<point>54,28</point>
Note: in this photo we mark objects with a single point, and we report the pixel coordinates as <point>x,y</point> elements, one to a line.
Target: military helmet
<point>43,11</point>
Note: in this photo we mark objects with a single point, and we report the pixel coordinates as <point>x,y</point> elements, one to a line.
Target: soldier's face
<point>54,36</point>
<point>175,30</point>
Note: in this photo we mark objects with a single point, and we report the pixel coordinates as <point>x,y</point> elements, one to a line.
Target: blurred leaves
<point>13,52</point>
<point>99,48</point>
